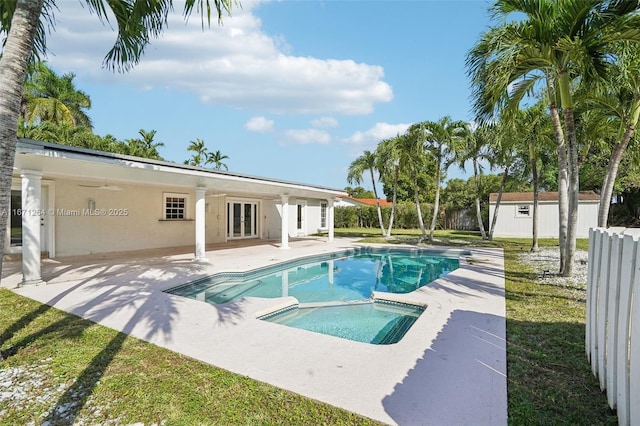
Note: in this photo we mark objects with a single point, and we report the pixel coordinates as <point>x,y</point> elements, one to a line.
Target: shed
<point>515,215</point>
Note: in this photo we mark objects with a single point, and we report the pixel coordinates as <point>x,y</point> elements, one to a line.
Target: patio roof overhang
<point>96,166</point>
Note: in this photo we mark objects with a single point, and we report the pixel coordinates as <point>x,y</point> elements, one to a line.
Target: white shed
<point>515,215</point>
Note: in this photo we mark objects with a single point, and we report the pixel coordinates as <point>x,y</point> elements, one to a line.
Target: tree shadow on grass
<point>113,293</point>
<point>550,379</point>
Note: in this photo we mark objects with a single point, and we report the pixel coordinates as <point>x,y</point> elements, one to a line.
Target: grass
<point>64,369</point>
<point>71,368</point>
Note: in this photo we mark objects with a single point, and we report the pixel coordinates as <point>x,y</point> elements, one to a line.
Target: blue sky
<point>293,90</point>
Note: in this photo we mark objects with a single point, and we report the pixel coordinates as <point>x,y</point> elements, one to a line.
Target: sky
<point>291,90</point>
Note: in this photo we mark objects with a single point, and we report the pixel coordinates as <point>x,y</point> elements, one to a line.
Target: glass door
<point>242,219</point>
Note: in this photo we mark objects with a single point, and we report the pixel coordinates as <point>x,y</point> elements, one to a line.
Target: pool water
<point>377,323</point>
<point>345,277</point>
<point>334,291</point>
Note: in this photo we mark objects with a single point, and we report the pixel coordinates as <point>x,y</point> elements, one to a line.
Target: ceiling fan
<point>106,187</point>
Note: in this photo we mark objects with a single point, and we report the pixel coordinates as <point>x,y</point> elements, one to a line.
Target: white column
<point>200,226</point>
<point>31,205</point>
<point>285,222</point>
<point>330,213</point>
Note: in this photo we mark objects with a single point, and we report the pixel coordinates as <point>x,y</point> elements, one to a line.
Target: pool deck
<point>449,369</point>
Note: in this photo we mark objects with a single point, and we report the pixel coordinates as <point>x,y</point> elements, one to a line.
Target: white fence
<point>613,317</point>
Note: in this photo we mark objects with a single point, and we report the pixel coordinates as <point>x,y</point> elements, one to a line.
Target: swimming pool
<point>345,276</point>
<point>334,290</point>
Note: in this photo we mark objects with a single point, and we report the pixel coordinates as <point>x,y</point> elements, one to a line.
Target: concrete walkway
<point>449,369</point>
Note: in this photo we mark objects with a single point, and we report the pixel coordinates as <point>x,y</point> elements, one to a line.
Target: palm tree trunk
<point>478,211</point>
<point>494,220</point>
<point>536,190</point>
<point>563,185</point>
<point>436,204</point>
<point>574,185</point>
<point>612,172</point>
<point>375,194</point>
<point>395,198</point>
<point>416,195</point>
<point>13,71</point>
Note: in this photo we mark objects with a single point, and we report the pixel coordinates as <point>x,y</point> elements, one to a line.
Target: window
<point>323,215</point>
<point>175,206</point>
<point>523,210</point>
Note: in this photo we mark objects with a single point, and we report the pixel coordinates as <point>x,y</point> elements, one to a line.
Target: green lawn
<point>100,376</point>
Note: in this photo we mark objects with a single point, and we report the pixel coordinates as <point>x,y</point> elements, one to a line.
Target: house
<point>515,215</point>
<point>346,201</point>
<point>69,201</point>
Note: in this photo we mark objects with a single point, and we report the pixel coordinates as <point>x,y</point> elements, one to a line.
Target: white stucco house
<point>515,215</point>
<point>70,201</point>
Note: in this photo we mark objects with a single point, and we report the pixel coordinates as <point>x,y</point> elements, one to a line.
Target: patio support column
<point>31,215</point>
<point>285,222</point>
<point>200,226</point>
<point>330,214</point>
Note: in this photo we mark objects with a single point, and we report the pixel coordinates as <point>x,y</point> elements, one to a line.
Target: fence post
<point>634,349</point>
<point>613,299</point>
<point>627,277</point>
<point>592,259</point>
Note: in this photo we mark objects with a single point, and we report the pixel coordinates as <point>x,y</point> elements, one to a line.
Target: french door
<point>242,219</point>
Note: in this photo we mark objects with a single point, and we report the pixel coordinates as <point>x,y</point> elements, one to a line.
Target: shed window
<point>523,210</point>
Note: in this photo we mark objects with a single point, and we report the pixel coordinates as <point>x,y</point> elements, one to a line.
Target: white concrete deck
<point>449,369</point>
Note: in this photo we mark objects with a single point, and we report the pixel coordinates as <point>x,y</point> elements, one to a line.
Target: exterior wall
<point>133,220</point>
<point>510,224</point>
<point>272,219</point>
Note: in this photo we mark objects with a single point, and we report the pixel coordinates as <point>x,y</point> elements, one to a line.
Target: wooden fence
<point>612,337</point>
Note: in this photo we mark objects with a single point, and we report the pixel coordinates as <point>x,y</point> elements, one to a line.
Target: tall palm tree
<point>414,158</point>
<point>215,158</point>
<point>563,45</point>
<point>617,101</point>
<point>358,167</point>
<point>24,22</point>
<point>474,146</point>
<point>388,154</point>
<point>440,137</point>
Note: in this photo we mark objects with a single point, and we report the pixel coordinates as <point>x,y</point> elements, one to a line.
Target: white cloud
<point>377,133</point>
<point>234,65</point>
<point>324,122</point>
<point>259,124</point>
<point>307,136</point>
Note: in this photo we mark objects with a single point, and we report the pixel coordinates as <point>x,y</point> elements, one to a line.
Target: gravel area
<point>547,259</point>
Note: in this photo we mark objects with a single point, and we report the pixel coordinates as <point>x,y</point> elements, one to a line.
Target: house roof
<point>62,160</point>
<point>515,197</point>
<point>368,201</point>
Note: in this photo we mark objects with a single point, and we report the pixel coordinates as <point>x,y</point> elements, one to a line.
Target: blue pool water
<point>339,277</point>
<point>373,322</point>
<point>334,291</point>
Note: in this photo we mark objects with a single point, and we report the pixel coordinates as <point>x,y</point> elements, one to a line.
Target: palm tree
<point>553,43</point>
<point>216,158</point>
<point>414,158</point>
<point>200,153</point>
<point>388,154</point>
<point>358,167</point>
<point>440,137</point>
<point>474,146</point>
<point>617,103</point>
<point>25,24</point>
<point>49,97</point>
